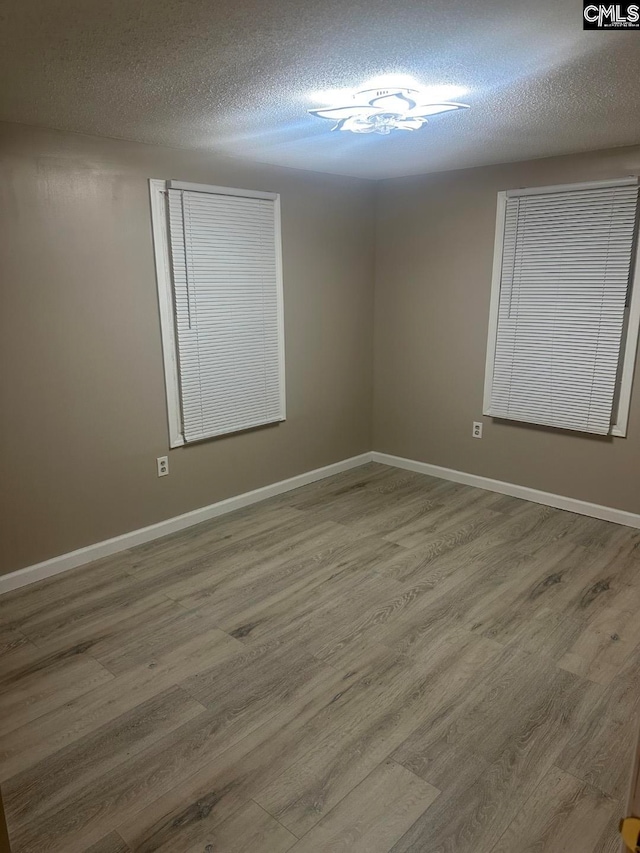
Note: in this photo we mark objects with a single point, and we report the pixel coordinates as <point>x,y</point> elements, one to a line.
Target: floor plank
<point>33,682</point>
<point>561,813</point>
<point>601,748</point>
<point>82,765</point>
<point>11,640</point>
<point>183,817</point>
<point>391,693</point>
<point>111,843</point>
<point>31,743</point>
<point>239,709</point>
<point>359,824</point>
<point>250,830</point>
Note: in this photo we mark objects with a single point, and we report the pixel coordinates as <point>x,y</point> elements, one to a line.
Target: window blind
<point>564,277</point>
<point>228,311</point>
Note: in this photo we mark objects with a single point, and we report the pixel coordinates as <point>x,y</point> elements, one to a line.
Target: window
<point>564,317</point>
<point>219,272</point>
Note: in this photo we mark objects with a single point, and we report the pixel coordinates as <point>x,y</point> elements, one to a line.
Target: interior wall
<point>82,397</point>
<point>434,255</point>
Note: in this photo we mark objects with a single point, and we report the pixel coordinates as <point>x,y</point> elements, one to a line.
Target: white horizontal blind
<point>565,274</point>
<point>227,311</point>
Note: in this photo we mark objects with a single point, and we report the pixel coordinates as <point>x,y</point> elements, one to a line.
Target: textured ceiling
<point>237,77</point>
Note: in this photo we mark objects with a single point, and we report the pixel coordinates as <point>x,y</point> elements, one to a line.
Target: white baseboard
<point>606,513</point>
<point>73,559</point>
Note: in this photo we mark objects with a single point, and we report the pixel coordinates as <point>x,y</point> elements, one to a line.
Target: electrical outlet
<point>476,432</point>
<point>163,466</point>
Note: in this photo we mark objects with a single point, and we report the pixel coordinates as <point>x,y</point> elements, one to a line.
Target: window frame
<point>160,231</point>
<point>629,344</point>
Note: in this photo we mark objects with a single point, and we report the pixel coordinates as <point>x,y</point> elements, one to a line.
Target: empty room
<point>320,447</point>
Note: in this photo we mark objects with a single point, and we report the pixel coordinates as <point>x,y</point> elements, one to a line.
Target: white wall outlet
<point>163,466</point>
<point>476,432</point>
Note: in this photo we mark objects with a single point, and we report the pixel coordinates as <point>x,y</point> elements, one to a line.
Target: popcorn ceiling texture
<point>235,77</point>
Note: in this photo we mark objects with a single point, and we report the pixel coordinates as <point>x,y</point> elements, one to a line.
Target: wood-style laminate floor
<point>377,662</point>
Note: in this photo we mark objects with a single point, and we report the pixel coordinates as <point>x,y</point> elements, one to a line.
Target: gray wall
<point>82,397</point>
<point>433,281</point>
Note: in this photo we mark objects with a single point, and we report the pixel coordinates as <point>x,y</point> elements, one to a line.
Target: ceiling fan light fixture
<point>381,110</point>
